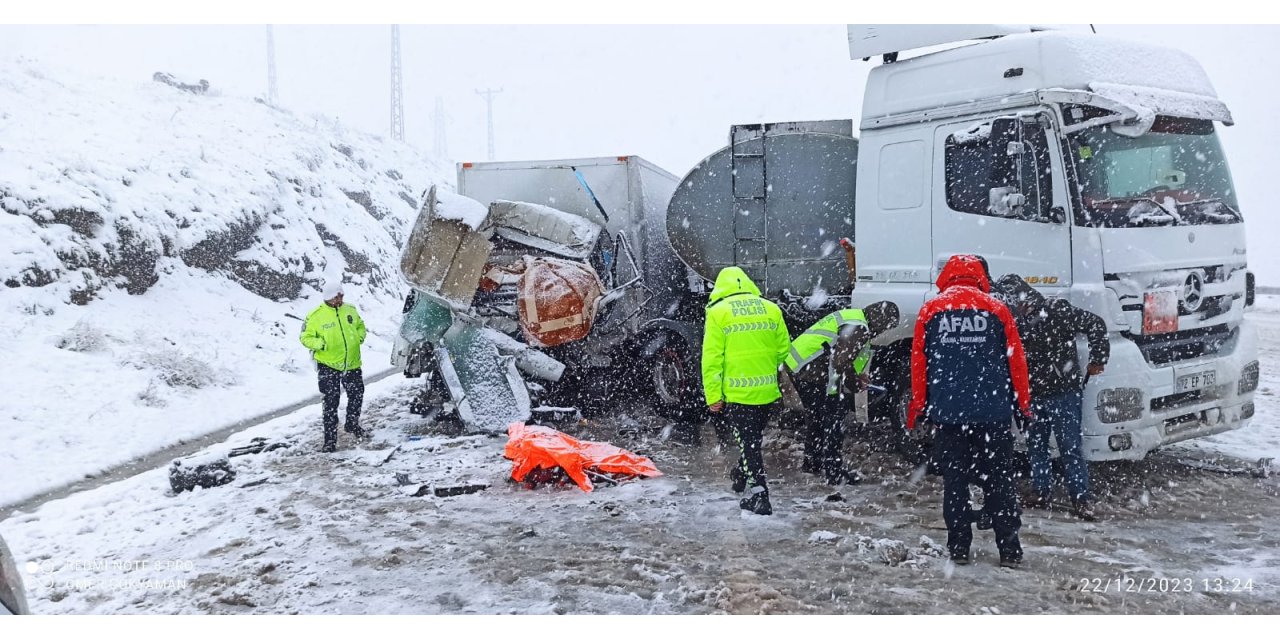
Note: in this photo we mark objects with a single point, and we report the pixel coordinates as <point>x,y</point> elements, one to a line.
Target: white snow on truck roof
<point>1035,61</point>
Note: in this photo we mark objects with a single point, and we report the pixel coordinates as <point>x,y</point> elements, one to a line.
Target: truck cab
<point>1090,167</point>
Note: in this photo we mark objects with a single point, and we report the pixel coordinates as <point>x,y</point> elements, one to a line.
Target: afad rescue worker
<point>334,333</point>
<point>824,369</point>
<point>1049,329</point>
<point>967,372</point>
<point>744,342</point>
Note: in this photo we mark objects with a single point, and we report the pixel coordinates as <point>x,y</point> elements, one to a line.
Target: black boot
<point>757,503</point>
<point>1010,561</point>
<point>330,438</point>
<point>1083,510</point>
<point>739,480</point>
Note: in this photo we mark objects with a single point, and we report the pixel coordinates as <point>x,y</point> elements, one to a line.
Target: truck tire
<point>674,379</point>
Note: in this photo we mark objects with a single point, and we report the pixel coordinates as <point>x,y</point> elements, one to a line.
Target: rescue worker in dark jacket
<point>1049,329</point>
<point>825,368</point>
<point>967,373</point>
<point>743,343</point>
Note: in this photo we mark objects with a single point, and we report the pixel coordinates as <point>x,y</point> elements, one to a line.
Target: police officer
<point>334,332</point>
<point>825,367</point>
<point>968,371</point>
<point>744,342</point>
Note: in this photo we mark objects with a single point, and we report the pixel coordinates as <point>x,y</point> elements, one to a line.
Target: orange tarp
<point>532,447</point>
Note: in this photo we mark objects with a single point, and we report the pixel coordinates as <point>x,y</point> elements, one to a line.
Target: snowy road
<point>298,532</point>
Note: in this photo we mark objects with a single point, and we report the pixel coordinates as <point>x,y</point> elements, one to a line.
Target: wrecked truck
<point>539,282</point>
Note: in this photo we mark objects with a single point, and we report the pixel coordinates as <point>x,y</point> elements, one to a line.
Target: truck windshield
<point>1176,174</point>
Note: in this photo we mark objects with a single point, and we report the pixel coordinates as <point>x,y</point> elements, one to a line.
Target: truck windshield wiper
<point>1136,211</point>
<point>1214,210</point>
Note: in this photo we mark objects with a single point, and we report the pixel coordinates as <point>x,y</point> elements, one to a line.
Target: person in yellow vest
<point>825,367</point>
<point>744,342</point>
<point>334,332</point>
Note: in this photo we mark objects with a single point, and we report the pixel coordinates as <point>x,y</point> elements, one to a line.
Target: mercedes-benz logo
<point>1193,292</point>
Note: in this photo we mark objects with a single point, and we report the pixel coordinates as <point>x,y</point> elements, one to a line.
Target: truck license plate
<point>1194,381</point>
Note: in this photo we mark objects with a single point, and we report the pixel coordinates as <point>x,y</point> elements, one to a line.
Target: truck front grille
<point>1166,348</point>
<point>1176,400</point>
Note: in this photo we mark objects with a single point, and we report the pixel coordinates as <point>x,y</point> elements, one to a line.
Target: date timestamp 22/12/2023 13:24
<point>1126,584</point>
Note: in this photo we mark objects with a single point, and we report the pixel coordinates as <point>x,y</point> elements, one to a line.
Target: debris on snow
<point>824,537</point>
<point>199,87</point>
<point>206,470</point>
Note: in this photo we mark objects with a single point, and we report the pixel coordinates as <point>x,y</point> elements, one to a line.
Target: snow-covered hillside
<point>153,241</point>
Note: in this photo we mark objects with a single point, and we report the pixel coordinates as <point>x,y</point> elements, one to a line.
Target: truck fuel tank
<point>775,202</point>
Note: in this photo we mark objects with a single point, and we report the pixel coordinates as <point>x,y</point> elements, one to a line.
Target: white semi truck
<point>1089,166</point>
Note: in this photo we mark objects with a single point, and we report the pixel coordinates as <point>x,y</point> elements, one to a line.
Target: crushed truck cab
<point>534,278</point>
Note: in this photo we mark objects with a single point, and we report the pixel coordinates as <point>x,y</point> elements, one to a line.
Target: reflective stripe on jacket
<point>744,341</point>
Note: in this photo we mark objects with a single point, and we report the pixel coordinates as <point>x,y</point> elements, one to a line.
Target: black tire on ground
<point>674,379</point>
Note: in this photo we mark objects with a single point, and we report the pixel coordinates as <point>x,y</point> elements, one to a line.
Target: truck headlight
<point>1248,378</point>
<point>1119,404</point>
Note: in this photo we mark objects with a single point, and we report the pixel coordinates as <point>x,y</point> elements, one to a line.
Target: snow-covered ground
<point>156,243</point>
<point>301,532</point>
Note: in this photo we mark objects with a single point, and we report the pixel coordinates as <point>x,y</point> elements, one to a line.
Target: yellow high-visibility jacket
<point>334,336</point>
<point>744,341</point>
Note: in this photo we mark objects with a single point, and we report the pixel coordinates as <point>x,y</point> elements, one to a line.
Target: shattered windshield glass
<point>1176,174</point>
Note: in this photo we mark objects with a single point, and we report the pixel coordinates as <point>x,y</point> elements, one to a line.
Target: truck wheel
<point>674,380</point>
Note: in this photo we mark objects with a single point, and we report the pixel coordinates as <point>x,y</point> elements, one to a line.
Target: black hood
<point>1016,294</point>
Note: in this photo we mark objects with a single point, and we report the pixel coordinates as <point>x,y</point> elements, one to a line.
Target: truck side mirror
<point>1006,146</point>
<point>1006,202</point>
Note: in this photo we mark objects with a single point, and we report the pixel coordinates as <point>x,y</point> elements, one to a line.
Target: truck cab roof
<point>1144,77</point>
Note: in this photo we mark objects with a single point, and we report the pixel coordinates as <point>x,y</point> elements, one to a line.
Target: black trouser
<point>748,423</point>
<point>823,430</point>
<point>981,454</point>
<point>332,382</point>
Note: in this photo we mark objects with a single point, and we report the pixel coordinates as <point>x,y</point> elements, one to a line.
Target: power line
<point>397,87</point>
<point>488,98</point>
<point>441,119</point>
<point>273,88</point>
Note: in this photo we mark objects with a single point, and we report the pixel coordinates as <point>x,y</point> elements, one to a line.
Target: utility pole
<point>273,89</point>
<point>397,87</point>
<point>441,129</point>
<point>488,98</point>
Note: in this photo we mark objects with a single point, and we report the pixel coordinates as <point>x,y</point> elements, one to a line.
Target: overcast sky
<point>668,93</point>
